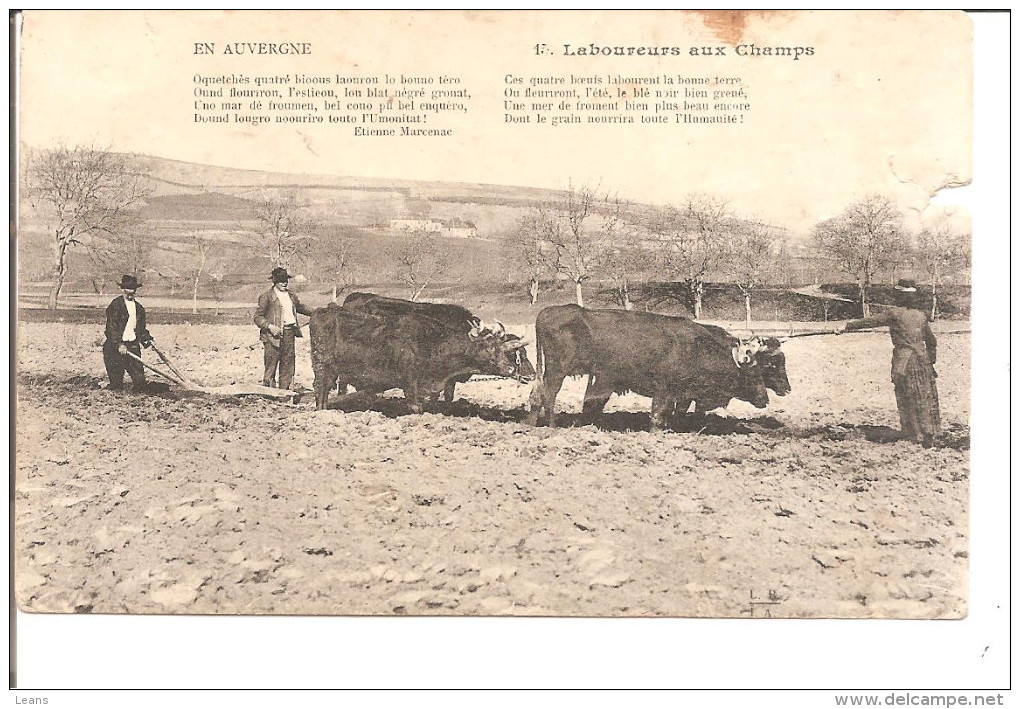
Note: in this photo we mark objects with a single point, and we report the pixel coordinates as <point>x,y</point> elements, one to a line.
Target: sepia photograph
<point>493,314</point>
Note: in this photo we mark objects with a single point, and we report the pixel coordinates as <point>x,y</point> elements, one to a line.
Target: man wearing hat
<point>913,362</point>
<point>125,332</point>
<point>276,317</point>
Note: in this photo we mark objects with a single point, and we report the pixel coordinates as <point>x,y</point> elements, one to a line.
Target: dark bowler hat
<point>906,285</point>
<point>279,275</point>
<point>129,283</point>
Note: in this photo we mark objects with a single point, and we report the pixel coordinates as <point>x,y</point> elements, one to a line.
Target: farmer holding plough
<point>125,332</point>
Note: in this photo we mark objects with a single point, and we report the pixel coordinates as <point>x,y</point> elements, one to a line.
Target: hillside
<point>222,193</point>
<point>190,202</point>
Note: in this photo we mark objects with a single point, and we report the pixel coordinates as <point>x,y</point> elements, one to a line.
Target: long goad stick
<point>817,333</point>
<point>808,334</point>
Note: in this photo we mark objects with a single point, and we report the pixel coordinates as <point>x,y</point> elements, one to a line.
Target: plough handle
<point>187,382</point>
<point>161,373</point>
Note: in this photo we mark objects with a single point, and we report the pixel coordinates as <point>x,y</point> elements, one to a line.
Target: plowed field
<point>169,502</point>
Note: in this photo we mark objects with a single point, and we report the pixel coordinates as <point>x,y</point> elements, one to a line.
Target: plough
<point>175,377</point>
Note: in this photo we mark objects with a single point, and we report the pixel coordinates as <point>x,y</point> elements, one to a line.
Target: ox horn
<point>741,355</point>
<point>488,330</point>
<point>752,345</point>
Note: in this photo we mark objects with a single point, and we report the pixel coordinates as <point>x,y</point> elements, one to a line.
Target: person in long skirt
<point>913,362</point>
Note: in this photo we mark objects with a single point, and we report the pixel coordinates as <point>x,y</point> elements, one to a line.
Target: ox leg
<point>543,396</point>
<point>682,405</point>
<point>661,409</point>
<point>325,379</point>
<point>413,397</point>
<point>448,391</point>
<point>534,403</point>
<point>596,397</point>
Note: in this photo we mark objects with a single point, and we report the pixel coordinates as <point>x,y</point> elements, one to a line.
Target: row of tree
<point>91,199</point>
<point>598,237</point>
<point>589,236</point>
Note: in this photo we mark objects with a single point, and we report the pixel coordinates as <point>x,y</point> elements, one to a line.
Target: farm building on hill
<point>430,225</point>
<point>444,227</point>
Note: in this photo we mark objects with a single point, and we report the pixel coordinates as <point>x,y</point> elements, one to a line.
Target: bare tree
<point>938,249</point>
<point>100,259</point>
<point>89,192</point>
<point>582,235</point>
<point>862,238</point>
<point>202,246</point>
<point>693,240</point>
<point>285,234</point>
<point>132,251</point>
<point>526,249</point>
<point>339,263</point>
<point>623,264</point>
<point>215,286</point>
<point>417,259</point>
<point>754,258</point>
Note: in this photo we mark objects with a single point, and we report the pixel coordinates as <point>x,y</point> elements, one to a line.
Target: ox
<point>765,353</point>
<point>411,352</point>
<point>455,316</point>
<point>672,360</point>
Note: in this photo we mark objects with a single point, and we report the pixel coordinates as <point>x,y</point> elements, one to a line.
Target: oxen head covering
<point>499,361</point>
<point>279,275</point>
<point>506,347</point>
<point>773,366</point>
<point>758,344</point>
<point>749,374</point>
<point>746,351</point>
<point>129,283</point>
<point>510,341</point>
<point>765,354</point>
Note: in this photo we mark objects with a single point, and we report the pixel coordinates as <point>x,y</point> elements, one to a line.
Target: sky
<point>872,109</point>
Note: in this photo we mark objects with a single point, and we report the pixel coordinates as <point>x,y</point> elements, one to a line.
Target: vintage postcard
<point>600,314</point>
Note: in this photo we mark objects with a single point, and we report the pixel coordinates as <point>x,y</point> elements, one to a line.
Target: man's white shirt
<point>132,321</point>
<point>288,307</point>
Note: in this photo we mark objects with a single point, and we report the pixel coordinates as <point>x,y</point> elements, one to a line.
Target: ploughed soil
<point>172,502</point>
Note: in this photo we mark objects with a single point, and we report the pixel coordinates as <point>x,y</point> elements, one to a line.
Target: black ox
<point>412,352</point>
<point>456,317</point>
<point>675,361</point>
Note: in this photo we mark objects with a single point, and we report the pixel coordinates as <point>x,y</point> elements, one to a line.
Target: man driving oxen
<point>913,362</point>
